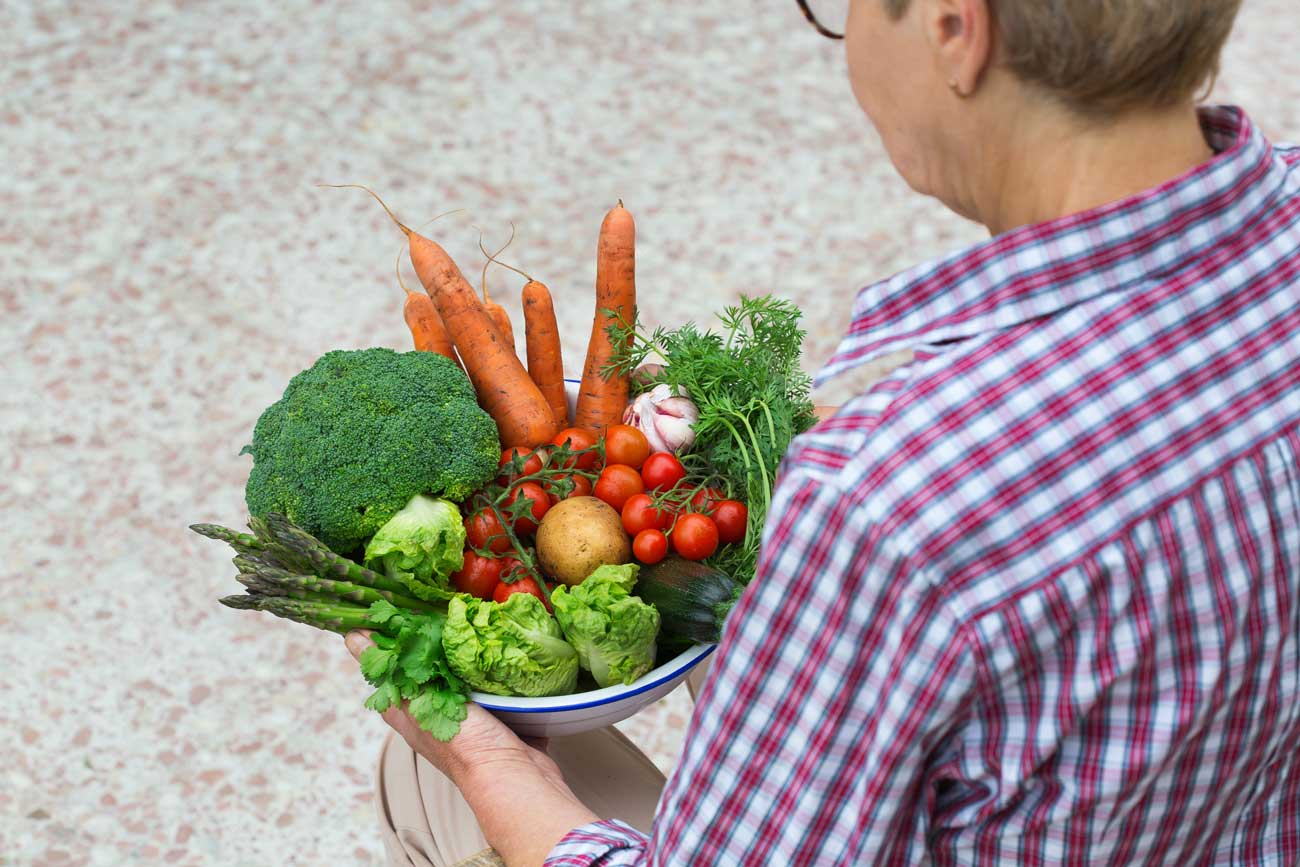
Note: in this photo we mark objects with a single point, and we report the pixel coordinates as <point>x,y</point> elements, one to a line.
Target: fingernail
<point>356,642</point>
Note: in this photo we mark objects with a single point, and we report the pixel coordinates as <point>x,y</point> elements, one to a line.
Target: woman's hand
<point>483,743</point>
<point>516,791</point>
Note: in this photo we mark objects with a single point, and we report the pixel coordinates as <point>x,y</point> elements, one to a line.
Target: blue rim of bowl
<point>709,648</point>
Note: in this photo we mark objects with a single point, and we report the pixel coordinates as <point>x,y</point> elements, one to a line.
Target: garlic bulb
<point>665,417</point>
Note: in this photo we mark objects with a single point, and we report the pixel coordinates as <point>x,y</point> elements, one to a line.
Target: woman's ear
<point>960,32</point>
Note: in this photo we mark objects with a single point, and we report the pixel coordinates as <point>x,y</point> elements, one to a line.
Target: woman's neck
<point>1053,169</point>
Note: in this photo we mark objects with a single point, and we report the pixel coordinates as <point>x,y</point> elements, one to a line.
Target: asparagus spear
<point>260,547</point>
<point>280,545</point>
<point>336,617</point>
<point>235,538</point>
<point>260,587</point>
<point>327,564</point>
<point>251,563</point>
<point>382,586</point>
<point>277,582</point>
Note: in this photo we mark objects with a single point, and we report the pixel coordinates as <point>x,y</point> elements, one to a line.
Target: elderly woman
<point>1034,597</point>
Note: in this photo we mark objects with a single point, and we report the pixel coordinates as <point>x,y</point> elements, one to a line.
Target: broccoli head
<point>359,433</point>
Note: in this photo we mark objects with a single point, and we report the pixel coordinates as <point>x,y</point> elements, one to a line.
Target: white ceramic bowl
<point>554,716</point>
<point>558,715</point>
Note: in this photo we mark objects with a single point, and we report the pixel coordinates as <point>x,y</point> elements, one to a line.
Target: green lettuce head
<point>420,546</point>
<point>508,648</point>
<point>613,631</point>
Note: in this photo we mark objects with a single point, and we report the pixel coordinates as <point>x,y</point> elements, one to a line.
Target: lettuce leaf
<point>420,546</point>
<point>508,648</point>
<point>613,631</point>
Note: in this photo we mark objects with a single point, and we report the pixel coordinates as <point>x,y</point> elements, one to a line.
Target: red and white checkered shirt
<point>1035,598</point>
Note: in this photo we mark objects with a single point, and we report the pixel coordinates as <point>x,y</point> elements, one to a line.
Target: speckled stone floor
<point>166,264</point>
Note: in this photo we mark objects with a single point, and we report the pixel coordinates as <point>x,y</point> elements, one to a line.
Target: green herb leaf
<point>383,698</point>
<point>439,712</point>
<point>381,612</point>
<point>376,663</point>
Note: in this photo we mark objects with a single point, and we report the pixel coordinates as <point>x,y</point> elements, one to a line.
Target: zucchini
<point>693,600</point>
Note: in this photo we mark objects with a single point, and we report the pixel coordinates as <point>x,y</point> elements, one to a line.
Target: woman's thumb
<point>357,641</point>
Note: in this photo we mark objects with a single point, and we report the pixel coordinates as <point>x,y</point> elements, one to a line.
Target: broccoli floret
<point>359,433</point>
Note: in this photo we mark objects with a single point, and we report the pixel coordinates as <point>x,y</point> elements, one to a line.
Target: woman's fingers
<point>357,641</point>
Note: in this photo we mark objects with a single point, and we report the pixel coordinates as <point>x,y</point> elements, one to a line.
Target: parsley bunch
<point>752,395</point>
<point>407,662</point>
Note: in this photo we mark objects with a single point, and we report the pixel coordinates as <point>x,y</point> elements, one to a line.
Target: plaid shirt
<point>1035,598</point>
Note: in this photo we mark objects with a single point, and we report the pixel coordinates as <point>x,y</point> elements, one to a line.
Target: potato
<point>579,534</point>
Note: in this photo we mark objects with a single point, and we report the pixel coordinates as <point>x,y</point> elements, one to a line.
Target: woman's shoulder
<point>839,439</point>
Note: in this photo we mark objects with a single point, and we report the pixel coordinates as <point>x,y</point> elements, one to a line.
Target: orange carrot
<point>504,389</point>
<point>421,316</point>
<point>601,401</point>
<point>542,342</point>
<point>522,414</point>
<point>545,360</point>
<point>500,318</point>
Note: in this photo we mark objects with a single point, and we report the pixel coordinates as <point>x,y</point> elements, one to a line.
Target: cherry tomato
<point>625,444</point>
<point>478,577</point>
<point>731,517</point>
<point>527,584</point>
<point>581,487</point>
<point>650,546</point>
<point>532,463</point>
<point>578,438</point>
<point>695,536</point>
<point>512,570</point>
<point>541,504</point>
<point>706,500</point>
<point>640,514</point>
<point>485,531</point>
<point>662,470</point>
<point>617,483</point>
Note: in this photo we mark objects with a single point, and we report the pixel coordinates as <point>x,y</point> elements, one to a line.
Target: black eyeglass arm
<point>817,25</point>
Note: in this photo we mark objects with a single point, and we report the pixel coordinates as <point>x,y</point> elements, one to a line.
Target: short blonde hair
<point>1104,56</point>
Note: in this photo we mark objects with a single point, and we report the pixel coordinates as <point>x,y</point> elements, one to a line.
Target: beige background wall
<point>166,264</point>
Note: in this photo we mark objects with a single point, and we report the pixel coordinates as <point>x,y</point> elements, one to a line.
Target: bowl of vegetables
<point>585,544</point>
<point>562,552</point>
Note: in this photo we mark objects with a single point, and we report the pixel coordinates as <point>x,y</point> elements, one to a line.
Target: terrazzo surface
<point>166,264</point>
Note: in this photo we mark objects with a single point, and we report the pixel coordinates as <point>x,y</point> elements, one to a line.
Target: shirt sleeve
<point>608,843</point>
<point>840,671</point>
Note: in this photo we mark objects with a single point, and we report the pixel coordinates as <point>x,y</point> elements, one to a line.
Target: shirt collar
<point>1037,270</point>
